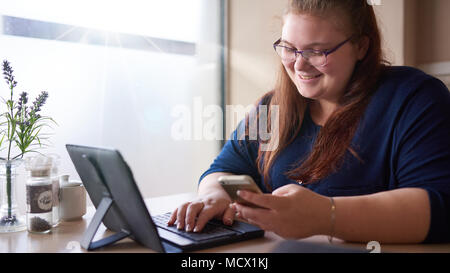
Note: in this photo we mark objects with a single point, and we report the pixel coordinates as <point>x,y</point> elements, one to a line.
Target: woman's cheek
<point>326,69</point>
<point>289,66</point>
<point>290,70</point>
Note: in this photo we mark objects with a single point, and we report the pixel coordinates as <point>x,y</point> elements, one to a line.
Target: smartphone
<point>232,183</point>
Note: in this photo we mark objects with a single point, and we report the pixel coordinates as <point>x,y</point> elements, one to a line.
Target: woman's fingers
<point>203,218</point>
<point>263,200</point>
<point>173,218</point>
<point>257,216</point>
<point>181,214</point>
<point>192,211</point>
<point>193,216</point>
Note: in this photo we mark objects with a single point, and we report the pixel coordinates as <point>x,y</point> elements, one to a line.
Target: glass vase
<point>10,218</point>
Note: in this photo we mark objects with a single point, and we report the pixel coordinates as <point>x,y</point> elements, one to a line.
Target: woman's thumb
<point>228,216</point>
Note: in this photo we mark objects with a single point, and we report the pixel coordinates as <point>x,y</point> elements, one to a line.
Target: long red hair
<point>335,136</point>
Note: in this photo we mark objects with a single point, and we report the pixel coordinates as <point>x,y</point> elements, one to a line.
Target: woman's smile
<point>309,79</point>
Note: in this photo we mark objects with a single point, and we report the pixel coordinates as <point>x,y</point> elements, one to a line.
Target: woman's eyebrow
<point>305,46</point>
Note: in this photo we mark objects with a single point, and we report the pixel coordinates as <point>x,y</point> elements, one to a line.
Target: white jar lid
<point>72,183</point>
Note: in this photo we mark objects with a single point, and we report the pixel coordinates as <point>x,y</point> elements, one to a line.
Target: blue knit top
<point>403,140</point>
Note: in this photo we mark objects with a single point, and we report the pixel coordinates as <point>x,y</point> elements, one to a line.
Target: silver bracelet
<point>333,219</point>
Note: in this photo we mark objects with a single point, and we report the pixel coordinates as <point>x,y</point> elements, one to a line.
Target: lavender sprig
<point>24,124</point>
<point>39,102</point>
<point>8,73</point>
<point>23,100</point>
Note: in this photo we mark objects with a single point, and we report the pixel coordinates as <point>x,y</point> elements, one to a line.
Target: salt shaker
<point>39,194</point>
<point>73,199</point>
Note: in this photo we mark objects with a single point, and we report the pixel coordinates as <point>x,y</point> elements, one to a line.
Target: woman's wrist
<point>326,221</point>
<point>332,219</point>
<point>210,186</point>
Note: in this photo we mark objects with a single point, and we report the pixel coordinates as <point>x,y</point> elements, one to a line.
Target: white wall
<point>254,25</point>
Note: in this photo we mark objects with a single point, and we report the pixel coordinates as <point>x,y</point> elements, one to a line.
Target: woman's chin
<point>309,94</point>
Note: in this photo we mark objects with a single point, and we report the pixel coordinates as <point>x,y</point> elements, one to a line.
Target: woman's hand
<point>193,215</point>
<point>291,211</point>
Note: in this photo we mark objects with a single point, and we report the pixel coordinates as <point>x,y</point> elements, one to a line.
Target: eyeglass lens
<point>290,55</point>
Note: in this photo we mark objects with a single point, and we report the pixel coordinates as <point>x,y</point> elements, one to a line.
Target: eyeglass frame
<point>296,52</point>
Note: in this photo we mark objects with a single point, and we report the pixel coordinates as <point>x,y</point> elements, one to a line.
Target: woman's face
<point>328,82</point>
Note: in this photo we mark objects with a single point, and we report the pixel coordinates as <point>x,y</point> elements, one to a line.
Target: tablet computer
<point>119,205</point>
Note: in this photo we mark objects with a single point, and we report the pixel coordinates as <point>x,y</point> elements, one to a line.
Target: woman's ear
<point>362,47</point>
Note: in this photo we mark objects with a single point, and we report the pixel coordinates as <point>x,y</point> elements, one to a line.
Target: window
<point>114,71</point>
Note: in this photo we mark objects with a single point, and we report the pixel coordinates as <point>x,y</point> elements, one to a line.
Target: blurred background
<point>116,70</point>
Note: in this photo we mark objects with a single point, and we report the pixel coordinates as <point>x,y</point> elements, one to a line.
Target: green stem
<point>8,187</point>
<point>12,116</point>
<point>9,150</point>
<point>8,164</point>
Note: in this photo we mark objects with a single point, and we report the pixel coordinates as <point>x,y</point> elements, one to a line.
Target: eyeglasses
<point>314,57</point>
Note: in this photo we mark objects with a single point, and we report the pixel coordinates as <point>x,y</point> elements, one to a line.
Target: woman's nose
<point>300,63</point>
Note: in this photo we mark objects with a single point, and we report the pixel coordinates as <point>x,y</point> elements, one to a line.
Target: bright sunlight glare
<point>167,19</point>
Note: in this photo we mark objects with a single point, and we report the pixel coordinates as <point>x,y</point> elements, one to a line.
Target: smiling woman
<point>338,73</point>
<point>363,147</point>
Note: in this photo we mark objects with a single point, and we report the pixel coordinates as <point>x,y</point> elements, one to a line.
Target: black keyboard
<point>210,231</point>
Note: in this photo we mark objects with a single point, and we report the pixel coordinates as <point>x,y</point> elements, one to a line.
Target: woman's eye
<point>287,47</point>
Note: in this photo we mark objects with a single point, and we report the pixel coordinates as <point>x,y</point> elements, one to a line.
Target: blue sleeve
<point>422,147</point>
<point>238,156</point>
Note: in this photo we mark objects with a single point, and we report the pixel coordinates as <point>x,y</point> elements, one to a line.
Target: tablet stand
<point>88,236</point>
<point>102,209</point>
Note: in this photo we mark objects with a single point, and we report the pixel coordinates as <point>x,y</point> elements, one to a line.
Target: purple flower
<point>23,99</point>
<point>40,100</point>
<point>8,73</point>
